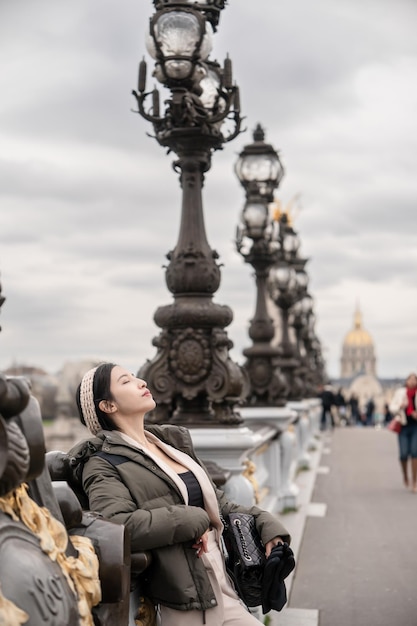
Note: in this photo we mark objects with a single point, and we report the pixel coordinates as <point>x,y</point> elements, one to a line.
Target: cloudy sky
<point>90,205</point>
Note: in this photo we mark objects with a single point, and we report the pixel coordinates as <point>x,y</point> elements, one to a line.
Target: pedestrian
<point>404,406</point>
<point>327,404</point>
<point>388,416</point>
<point>150,480</point>
<point>355,415</point>
<point>340,404</point>
<point>369,412</point>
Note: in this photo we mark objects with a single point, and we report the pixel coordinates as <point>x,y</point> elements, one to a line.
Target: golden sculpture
<point>146,615</point>
<point>249,474</point>
<point>291,209</point>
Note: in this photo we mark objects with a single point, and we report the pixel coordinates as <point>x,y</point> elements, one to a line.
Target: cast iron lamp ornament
<point>287,283</point>
<point>301,315</point>
<point>259,168</point>
<point>192,377</point>
<point>318,366</point>
<point>260,171</point>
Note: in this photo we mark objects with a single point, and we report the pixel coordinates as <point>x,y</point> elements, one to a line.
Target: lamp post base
<point>192,377</point>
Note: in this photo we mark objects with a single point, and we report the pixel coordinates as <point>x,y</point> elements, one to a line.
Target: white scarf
<point>210,501</point>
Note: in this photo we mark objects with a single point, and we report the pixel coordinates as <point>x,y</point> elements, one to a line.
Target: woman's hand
<point>274,542</point>
<point>201,543</point>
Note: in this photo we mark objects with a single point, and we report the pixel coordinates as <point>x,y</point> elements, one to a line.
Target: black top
<point>195,495</point>
<point>410,420</point>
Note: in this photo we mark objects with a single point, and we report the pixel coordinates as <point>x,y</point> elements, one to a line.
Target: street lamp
<point>315,360</point>
<point>193,379</point>
<point>287,283</point>
<point>302,319</point>
<point>259,168</point>
<point>260,171</point>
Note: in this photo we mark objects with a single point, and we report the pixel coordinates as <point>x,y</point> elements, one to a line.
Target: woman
<point>404,407</point>
<point>151,481</point>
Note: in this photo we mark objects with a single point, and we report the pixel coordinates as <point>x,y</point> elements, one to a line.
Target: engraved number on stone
<point>48,593</point>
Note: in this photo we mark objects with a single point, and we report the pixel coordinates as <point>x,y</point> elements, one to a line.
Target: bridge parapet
<point>263,456</point>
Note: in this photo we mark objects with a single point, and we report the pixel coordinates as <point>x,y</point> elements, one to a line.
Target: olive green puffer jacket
<point>134,491</point>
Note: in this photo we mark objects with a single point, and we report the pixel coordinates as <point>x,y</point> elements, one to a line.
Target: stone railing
<point>263,455</point>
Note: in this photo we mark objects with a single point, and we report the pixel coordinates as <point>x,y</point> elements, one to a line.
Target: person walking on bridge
<point>327,404</point>
<point>404,405</point>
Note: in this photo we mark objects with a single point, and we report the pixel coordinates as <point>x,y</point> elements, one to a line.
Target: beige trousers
<point>230,611</point>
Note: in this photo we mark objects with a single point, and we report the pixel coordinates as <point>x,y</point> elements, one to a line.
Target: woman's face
<point>130,394</point>
<point>412,381</point>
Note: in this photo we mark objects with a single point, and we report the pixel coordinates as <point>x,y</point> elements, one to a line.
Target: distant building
<point>56,397</point>
<point>43,386</point>
<point>358,352</point>
<point>358,369</point>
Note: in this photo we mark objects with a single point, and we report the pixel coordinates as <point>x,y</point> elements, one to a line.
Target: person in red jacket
<point>404,406</point>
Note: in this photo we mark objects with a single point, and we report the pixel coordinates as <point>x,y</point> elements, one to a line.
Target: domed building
<point>358,370</point>
<point>358,353</point>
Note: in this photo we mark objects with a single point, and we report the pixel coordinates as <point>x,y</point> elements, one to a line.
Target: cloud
<point>90,205</point>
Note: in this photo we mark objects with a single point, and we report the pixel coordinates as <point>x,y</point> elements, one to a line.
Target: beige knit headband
<point>87,402</point>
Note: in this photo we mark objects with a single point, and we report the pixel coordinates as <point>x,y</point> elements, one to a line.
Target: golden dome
<point>358,336</point>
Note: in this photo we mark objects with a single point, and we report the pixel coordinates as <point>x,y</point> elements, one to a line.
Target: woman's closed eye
<point>129,380</point>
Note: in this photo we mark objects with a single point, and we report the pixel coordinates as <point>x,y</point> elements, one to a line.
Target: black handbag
<point>245,561</point>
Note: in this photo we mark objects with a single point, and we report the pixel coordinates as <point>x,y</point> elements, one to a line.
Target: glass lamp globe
<point>206,43</point>
<point>246,245</point>
<point>298,308</point>
<point>210,86</point>
<point>258,166</point>
<point>291,243</point>
<point>255,217</point>
<point>283,276</point>
<point>302,279</point>
<point>150,45</point>
<point>177,36</point>
<point>307,304</point>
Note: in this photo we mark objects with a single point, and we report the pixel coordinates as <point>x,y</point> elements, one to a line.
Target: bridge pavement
<point>355,536</point>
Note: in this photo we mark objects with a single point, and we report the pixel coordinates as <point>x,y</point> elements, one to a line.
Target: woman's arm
<point>152,528</point>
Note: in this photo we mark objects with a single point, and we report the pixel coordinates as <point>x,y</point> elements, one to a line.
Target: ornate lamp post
<point>315,353</point>
<point>260,171</point>
<point>192,377</point>
<point>314,357</point>
<point>302,314</point>
<point>287,285</point>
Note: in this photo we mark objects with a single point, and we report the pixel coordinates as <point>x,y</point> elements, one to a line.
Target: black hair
<point>101,391</point>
